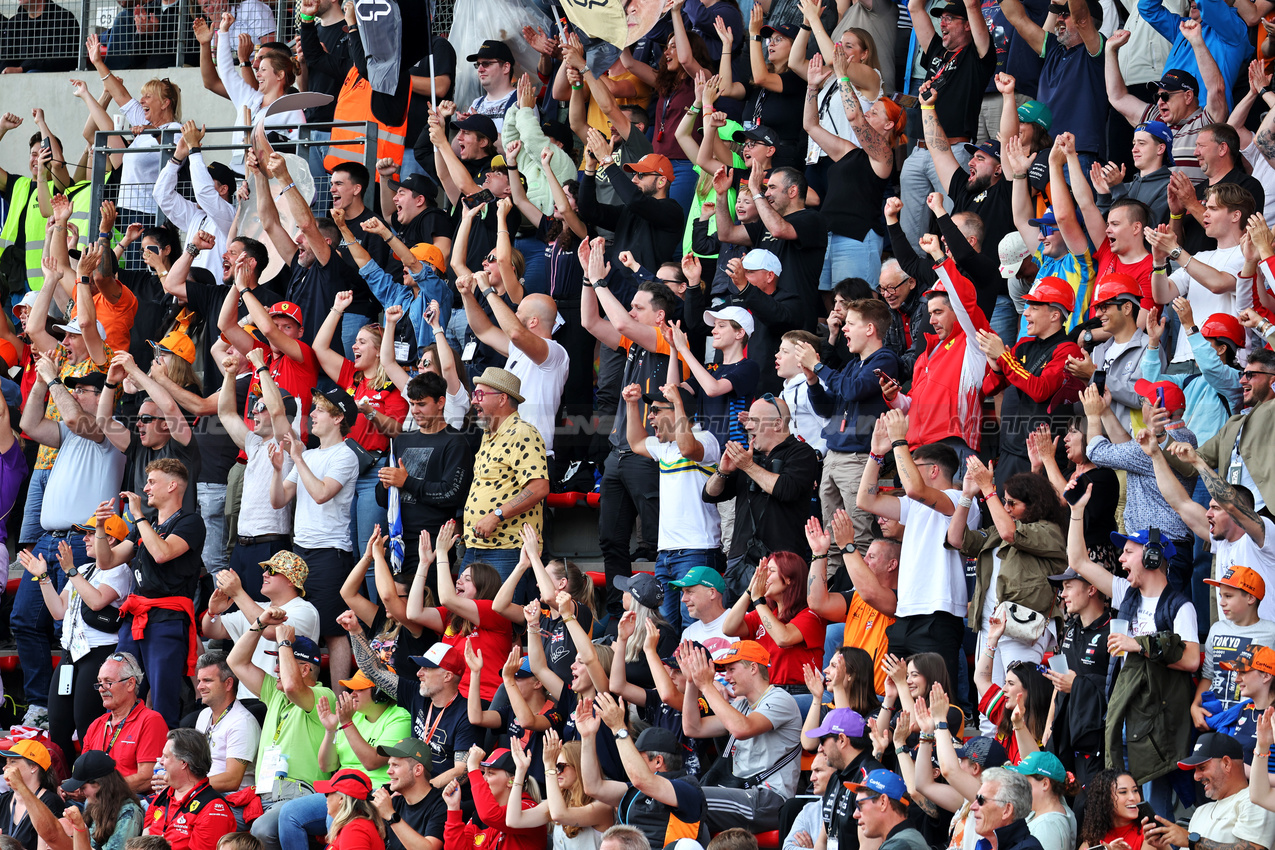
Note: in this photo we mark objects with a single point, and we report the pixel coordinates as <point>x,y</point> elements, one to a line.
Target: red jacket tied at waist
<point>139,607</point>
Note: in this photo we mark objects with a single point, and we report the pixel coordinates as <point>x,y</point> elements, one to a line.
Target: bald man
<point>525,337</point>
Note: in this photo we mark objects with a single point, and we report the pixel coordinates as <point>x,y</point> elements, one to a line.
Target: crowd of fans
<point>926,437</point>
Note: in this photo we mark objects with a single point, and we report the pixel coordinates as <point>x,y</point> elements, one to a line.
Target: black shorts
<point>329,568</point>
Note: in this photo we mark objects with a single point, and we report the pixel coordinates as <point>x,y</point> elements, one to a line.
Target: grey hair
<point>131,666</point>
<point>1012,789</point>
<point>191,747</point>
<point>892,265</point>
<point>628,837</point>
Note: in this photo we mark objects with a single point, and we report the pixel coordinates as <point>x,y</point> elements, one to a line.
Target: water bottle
<point>159,775</point>
<point>280,774</point>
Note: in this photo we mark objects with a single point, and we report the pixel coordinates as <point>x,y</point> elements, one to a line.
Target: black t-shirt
<point>608,753</point>
<point>664,716</point>
<point>838,800</point>
<point>327,67</point>
<point>447,733</point>
<point>138,456</point>
<point>482,234</point>
<point>720,414</point>
<point>638,672</point>
<point>153,307</point>
<point>314,287</point>
<point>177,577</point>
<point>560,649</point>
<point>418,112</point>
<point>24,831</point>
<point>959,81</point>
<point>218,450</point>
<point>801,258</point>
<point>853,214</point>
<point>206,300</point>
<point>779,110</point>
<point>994,206</point>
<point>428,225</point>
<point>439,470</point>
<point>427,817</point>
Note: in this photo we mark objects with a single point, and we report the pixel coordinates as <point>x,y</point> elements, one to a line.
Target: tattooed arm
<point>1265,137</point>
<point>940,149</point>
<point>875,144</point>
<point>372,666</point>
<point>1223,492</point>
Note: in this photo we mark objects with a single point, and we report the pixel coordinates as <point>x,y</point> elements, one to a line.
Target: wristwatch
<point>1192,838</point>
<point>1175,253</point>
<point>286,643</point>
<point>73,572</point>
<point>942,724</point>
<point>622,734</point>
<point>393,819</point>
<point>499,513</point>
<point>819,367</point>
<point>1194,329</point>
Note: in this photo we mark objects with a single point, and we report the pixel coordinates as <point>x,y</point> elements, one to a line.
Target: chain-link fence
<point>40,35</point>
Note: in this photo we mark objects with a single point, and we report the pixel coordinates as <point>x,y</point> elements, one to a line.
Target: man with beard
<point>439,719</point>
<point>646,222</point>
<point>233,733</point>
<point>844,741</point>
<point>411,807</point>
<point>1232,821</point>
<point>981,189</point>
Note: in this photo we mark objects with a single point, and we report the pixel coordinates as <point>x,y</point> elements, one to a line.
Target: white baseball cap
<point>738,315</point>
<point>27,301</point>
<point>759,259</point>
<point>73,327</point>
<point>1013,251</point>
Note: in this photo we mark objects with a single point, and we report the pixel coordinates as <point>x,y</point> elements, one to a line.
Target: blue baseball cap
<point>992,148</point>
<point>1046,220</point>
<point>1161,131</point>
<point>1142,538</point>
<point>883,782</point>
<point>1041,763</point>
<point>524,669</point>
<point>303,649</point>
<point>841,721</point>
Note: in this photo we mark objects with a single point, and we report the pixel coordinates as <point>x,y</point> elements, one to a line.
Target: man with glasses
<point>881,807</point>
<point>909,316</point>
<point>86,471</point>
<point>511,475</point>
<point>1001,808</point>
<point>1241,452</point>
<point>772,480</point>
<point>494,63</point>
<point>1177,103</point>
<point>129,732</point>
<point>161,431</point>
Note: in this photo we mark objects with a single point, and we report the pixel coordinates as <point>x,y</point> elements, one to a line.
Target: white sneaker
<point>37,716</point>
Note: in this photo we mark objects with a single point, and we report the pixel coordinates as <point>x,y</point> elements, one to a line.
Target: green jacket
<point>1039,551</point>
<point>1256,448</point>
<point>1148,710</point>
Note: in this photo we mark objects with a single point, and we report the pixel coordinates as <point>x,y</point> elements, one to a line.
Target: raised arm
<point>1128,105</point>
<point>935,138</point>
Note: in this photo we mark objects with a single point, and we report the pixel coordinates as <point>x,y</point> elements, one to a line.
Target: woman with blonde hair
<point>381,409</point>
<point>275,71</point>
<point>356,824</point>
<point>576,820</point>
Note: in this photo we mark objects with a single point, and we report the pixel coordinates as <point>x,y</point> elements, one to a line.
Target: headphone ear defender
<point>1153,553</point>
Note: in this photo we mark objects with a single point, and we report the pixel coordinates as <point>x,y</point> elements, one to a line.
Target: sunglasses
<point>1163,96</point>
<point>983,801</point>
<point>770,398</point>
<point>485,63</point>
<point>1046,230</point>
<point>146,419</point>
<point>490,258</point>
<point>562,765</point>
<point>1250,374</point>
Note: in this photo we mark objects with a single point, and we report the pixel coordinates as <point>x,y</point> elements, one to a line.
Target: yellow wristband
<point>1176,216</point>
<point>923,106</point>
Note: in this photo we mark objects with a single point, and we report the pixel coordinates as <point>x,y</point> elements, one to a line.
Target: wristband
<point>1176,216</point>
<point>806,27</point>
<point>819,557</point>
<point>261,369</point>
<point>176,161</point>
<point>576,87</point>
<point>965,501</point>
<point>845,79</point>
<point>1019,176</point>
<point>694,110</point>
<point>256,626</point>
<point>1261,755</point>
<point>345,726</point>
<point>304,17</point>
<point>103,236</point>
<point>894,444</point>
<point>923,106</point>
<point>111,386</point>
<point>286,189</point>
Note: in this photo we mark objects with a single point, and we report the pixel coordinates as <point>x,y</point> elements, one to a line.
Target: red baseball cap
<point>1174,398</point>
<point>289,309</point>
<point>652,163</point>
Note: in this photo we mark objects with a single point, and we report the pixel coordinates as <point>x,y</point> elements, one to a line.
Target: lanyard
<point>278,729</point>
<point>212,726</point>
<point>120,728</point>
<point>429,732</point>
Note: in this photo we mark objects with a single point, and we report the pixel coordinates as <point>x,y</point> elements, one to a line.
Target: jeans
<point>833,638</point>
<point>366,512</point>
<point>848,257</point>
<point>409,166</point>
<point>671,565</point>
<point>457,328</point>
<point>917,179</point>
<point>212,506</point>
<point>683,188</point>
<point>536,278</point>
<point>31,528</point>
<point>302,818</point>
<point>1004,320</point>
<point>162,654</point>
<point>630,488</point>
<point>1201,593</point>
<point>351,324</point>
<point>504,560</point>
<point>31,622</point>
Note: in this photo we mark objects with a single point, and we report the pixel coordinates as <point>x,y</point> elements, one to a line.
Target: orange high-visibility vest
<point>354,103</point>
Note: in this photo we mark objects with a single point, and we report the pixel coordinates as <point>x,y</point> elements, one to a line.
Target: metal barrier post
<point>167,140</point>
<point>370,141</point>
<point>85,10</point>
<point>101,140</point>
<point>180,41</point>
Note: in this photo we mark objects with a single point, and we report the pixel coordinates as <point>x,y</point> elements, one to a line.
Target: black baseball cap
<point>344,402</point>
<point>560,133</point>
<point>420,183</point>
<point>1179,80</point>
<point>655,739</point>
<point>479,124</point>
<point>222,173</point>
<point>788,31</point>
<point>91,766</point>
<point>92,379</point>
<point>492,48</point>
<point>956,10</point>
<point>1212,745</point>
<point>760,133</point>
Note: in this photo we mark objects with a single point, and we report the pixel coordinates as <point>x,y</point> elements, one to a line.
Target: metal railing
<point>167,138</point>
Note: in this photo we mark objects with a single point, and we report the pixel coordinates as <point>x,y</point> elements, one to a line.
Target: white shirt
<point>326,526</point>
<point>1264,174</point>
<point>77,636</point>
<point>686,521</point>
<point>1246,553</point>
<point>1234,818</point>
<point>806,424</point>
<point>302,616</point>
<point>256,516</point>
<point>712,634</point>
<point>542,385</point>
<point>931,578</point>
<point>209,212</point>
<point>1205,303</point>
<point>494,109</point>
<point>1185,624</point>
<point>234,737</point>
<point>141,170</point>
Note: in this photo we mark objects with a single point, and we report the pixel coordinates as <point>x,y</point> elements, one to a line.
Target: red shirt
<point>190,823</point>
<point>1105,262</point>
<point>458,835</point>
<point>786,662</point>
<point>387,399</point>
<point>295,379</point>
<point>493,637</point>
<point>993,705</point>
<point>138,740</point>
<point>358,834</point>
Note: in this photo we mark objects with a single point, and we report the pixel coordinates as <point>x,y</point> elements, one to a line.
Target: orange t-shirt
<point>865,628</point>
<point>116,318</point>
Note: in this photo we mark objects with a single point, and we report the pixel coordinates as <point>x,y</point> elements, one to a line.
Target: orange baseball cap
<point>115,526</point>
<point>358,682</point>
<point>1241,578</point>
<point>744,650</point>
<point>1260,658</point>
<point>28,749</point>
<point>428,252</point>
<point>178,343</point>
<point>652,163</point>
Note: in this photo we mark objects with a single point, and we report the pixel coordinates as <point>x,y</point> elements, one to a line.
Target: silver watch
<point>621,735</point>
<point>1175,253</point>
